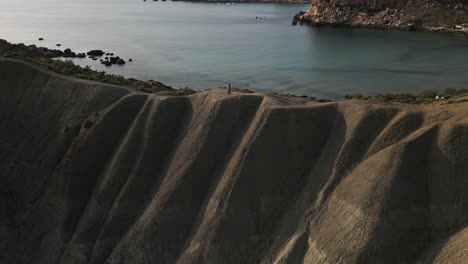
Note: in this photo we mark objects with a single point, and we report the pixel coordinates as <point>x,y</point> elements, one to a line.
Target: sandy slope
<point>92,173</point>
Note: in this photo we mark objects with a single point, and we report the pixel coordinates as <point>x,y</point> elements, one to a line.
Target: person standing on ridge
<point>229,89</point>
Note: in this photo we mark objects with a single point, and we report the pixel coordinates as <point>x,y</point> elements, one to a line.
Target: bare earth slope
<point>93,173</point>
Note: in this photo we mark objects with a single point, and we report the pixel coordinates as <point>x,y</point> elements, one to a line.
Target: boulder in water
<point>107,63</point>
<point>95,52</point>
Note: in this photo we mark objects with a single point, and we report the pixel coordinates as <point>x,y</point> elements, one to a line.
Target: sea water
<point>250,45</point>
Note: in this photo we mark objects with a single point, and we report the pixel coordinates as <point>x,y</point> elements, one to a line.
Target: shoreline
<point>299,19</point>
<point>56,60</point>
<point>305,22</point>
<point>51,59</point>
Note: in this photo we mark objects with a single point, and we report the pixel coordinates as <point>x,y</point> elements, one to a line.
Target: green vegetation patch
<point>435,16</point>
<point>425,96</point>
<point>67,67</point>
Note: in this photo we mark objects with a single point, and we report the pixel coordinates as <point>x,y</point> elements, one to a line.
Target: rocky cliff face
<point>437,15</point>
<point>93,174</point>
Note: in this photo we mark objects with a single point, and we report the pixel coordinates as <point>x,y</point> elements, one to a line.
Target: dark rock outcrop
<point>68,53</point>
<point>106,62</point>
<point>116,60</point>
<point>95,53</point>
<point>21,50</point>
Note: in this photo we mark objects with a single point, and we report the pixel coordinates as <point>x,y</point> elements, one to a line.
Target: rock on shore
<point>95,53</point>
<point>431,15</point>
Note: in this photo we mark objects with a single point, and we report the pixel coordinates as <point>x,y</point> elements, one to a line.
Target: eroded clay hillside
<point>92,173</point>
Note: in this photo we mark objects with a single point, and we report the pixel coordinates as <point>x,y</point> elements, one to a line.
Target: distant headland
<point>424,15</point>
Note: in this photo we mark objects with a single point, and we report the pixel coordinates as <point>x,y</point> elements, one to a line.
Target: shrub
<point>69,68</point>
<point>356,96</point>
<point>450,92</point>
<point>462,91</point>
<point>428,94</point>
<point>424,96</point>
<point>186,91</point>
<point>400,97</point>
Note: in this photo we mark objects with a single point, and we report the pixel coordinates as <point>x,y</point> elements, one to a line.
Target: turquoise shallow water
<point>204,45</point>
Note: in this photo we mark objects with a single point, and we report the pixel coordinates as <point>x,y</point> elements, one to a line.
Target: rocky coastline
<point>106,58</point>
<point>53,59</point>
<point>417,15</point>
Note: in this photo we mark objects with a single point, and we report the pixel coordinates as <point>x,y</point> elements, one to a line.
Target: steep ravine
<point>93,173</point>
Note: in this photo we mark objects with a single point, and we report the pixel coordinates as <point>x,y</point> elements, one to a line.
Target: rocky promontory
<point>429,15</point>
